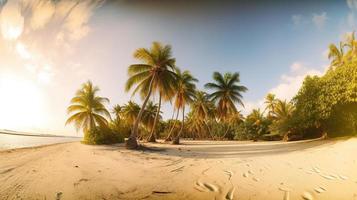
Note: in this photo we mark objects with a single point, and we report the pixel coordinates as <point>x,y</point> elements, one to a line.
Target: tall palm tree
<point>155,75</point>
<point>87,109</point>
<point>185,94</point>
<point>226,92</point>
<point>203,109</point>
<point>270,102</point>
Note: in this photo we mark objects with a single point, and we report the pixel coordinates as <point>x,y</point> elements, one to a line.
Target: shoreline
<point>18,133</point>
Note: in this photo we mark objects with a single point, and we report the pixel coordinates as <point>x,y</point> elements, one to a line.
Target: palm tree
<point>130,111</point>
<point>87,109</point>
<point>227,92</point>
<point>336,55</point>
<point>149,115</point>
<point>283,110</point>
<point>270,102</point>
<point>256,116</point>
<point>203,109</point>
<point>185,94</point>
<point>155,75</point>
<point>351,44</point>
<point>117,110</point>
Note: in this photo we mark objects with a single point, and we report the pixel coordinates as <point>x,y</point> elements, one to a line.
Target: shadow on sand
<point>229,149</point>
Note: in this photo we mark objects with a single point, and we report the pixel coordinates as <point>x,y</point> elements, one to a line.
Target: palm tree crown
<point>87,109</point>
<point>227,92</point>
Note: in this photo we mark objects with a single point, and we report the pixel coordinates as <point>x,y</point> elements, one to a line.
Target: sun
<point>22,104</point>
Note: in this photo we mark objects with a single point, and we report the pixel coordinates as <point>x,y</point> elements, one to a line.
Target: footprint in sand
<point>256,179</point>
<point>316,169</point>
<point>320,189</point>
<point>250,172</point>
<point>229,174</point>
<point>286,191</point>
<point>342,177</point>
<point>328,177</point>
<point>245,175</point>
<point>307,196</point>
<point>286,195</point>
<point>230,194</point>
<point>206,187</point>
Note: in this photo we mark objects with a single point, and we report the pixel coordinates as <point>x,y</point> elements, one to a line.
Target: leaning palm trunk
<point>132,143</point>
<point>177,138</point>
<point>208,129</point>
<point>168,138</point>
<point>152,137</point>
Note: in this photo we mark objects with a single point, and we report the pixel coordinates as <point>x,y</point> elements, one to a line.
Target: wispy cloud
<point>41,31</point>
<point>319,19</point>
<point>297,19</point>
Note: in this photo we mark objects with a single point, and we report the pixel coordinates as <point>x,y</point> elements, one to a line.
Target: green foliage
<point>328,104</point>
<point>87,108</point>
<point>226,92</point>
<point>254,127</point>
<point>103,135</point>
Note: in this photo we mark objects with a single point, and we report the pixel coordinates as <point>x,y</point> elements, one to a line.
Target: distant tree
<point>270,102</point>
<point>87,109</point>
<point>226,92</point>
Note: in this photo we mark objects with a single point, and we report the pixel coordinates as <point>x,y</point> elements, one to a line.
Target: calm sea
<point>11,141</point>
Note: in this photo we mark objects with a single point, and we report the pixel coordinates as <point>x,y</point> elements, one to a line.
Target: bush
<point>103,135</point>
<point>328,104</point>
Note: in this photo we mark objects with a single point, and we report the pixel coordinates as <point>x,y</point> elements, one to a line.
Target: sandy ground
<point>196,170</point>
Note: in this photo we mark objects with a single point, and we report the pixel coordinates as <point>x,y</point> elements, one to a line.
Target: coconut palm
<point>351,44</point>
<point>116,111</point>
<point>185,94</point>
<point>283,110</point>
<point>130,111</point>
<point>87,109</point>
<point>149,115</point>
<point>155,75</point>
<point>270,102</point>
<point>203,109</point>
<point>336,55</point>
<point>226,92</point>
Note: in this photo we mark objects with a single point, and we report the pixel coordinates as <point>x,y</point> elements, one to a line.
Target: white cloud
<point>352,4</point>
<point>297,19</point>
<point>290,83</point>
<point>250,105</point>
<point>319,19</point>
<point>42,12</point>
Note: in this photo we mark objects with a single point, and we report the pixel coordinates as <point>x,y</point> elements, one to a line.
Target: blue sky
<point>273,45</point>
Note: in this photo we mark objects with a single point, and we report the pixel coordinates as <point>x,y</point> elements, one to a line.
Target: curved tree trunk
<point>209,130</point>
<point>168,138</point>
<point>177,138</point>
<point>132,143</point>
<point>152,137</point>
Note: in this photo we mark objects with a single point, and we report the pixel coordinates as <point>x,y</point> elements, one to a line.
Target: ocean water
<point>11,141</point>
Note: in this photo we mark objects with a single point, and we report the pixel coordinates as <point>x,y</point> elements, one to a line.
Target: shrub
<point>103,135</point>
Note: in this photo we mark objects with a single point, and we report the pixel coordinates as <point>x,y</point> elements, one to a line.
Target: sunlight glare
<point>21,103</point>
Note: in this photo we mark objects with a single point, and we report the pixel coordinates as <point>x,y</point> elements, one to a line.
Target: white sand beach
<point>323,169</point>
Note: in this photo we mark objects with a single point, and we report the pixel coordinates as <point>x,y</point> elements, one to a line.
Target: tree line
<point>325,105</point>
